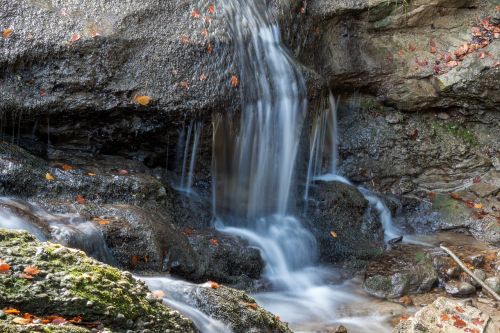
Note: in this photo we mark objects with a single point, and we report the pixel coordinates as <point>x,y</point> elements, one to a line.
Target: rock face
<point>399,57</point>
<point>446,315</point>
<point>139,216</point>
<point>70,284</point>
<point>406,269</point>
<point>340,219</point>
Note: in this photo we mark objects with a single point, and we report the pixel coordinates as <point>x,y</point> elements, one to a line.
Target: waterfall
<point>189,153</point>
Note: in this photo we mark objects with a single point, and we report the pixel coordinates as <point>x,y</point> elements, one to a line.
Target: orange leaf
<point>210,48</point>
<point>459,323</point>
<point>195,14</point>
<point>76,320</point>
<point>21,321</point>
<point>445,317</point>
<point>459,309</point>
<point>80,199</point>
<point>142,99</point>
<point>452,64</point>
<point>214,242</point>
<point>49,177</point>
<point>211,9</point>
<point>456,196</point>
<point>234,81</point>
<point>333,234</point>
<point>134,261</point>
<point>12,311</point>
<point>67,167</point>
<point>74,38</point>
<point>478,206</point>
<point>159,294</point>
<point>213,285</point>
<point>7,32</point>
<point>4,267</point>
<point>404,318</point>
<point>252,306</point>
<point>58,320</point>
<point>32,270</point>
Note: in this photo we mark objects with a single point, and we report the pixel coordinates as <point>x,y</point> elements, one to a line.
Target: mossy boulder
<point>71,284</point>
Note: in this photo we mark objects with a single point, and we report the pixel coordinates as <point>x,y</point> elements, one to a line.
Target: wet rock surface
<point>142,220</point>
<point>340,218</point>
<point>405,269</point>
<point>70,284</point>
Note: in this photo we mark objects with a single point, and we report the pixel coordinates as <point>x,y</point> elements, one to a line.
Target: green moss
<point>456,130</point>
<point>379,283</point>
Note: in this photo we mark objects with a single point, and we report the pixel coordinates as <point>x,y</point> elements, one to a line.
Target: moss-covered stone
<point>72,284</point>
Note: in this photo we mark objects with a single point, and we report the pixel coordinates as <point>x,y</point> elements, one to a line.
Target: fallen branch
<point>466,270</point>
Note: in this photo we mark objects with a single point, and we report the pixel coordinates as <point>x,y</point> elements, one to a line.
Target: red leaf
<point>80,199</point>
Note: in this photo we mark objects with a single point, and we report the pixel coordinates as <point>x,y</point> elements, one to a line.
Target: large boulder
<point>46,279</point>
<point>342,222</point>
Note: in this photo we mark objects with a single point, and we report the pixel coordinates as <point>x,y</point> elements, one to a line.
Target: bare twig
<point>466,270</point>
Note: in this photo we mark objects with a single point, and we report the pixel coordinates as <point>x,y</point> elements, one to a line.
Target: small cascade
<point>179,298</point>
<point>66,229</point>
<point>187,149</point>
<point>324,135</point>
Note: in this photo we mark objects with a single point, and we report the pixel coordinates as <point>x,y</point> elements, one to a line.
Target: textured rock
<point>405,269</point>
<point>445,315</point>
<point>459,289</point>
<point>494,283</point>
<point>69,280</point>
<point>342,209</point>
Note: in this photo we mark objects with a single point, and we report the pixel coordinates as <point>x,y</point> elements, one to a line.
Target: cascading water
<point>189,153</point>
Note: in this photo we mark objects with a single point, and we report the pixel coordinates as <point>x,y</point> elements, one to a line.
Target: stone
<point>431,319</point>
<point>456,288</point>
<point>340,329</point>
<point>477,260</point>
<point>494,283</point>
<point>393,118</point>
<point>484,189</point>
<point>443,116</point>
<point>405,269</point>
<point>341,208</point>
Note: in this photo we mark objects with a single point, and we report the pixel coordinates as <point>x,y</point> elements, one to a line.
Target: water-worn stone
<point>458,288</point>
<point>405,269</point>
<point>111,291</point>
<point>494,283</point>
<point>340,219</point>
<point>445,315</point>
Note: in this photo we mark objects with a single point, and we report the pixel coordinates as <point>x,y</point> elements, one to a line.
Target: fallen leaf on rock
<point>134,260</point>
<point>406,300</point>
<point>452,64</point>
<point>49,177</point>
<point>80,199</point>
<point>4,267</point>
<point>404,318</point>
<point>204,33</point>
<point>213,285</point>
<point>11,311</point>
<point>477,321</point>
<point>158,294</point>
<point>184,84</point>
<point>32,270</point>
<point>123,172</point>
<point>67,167</point>
<point>235,81</point>
<point>25,276</point>
<point>478,206</point>
<point>21,321</point>
<point>252,306</point>
<point>74,38</point>
<point>203,77</point>
<point>431,195</point>
<point>211,9</point>
<point>459,309</point>
<point>101,221</point>
<point>459,323</point>
<point>456,196</point>
<point>187,231</point>
<point>142,99</point>
<point>195,14</point>
<point>210,48</point>
<point>91,174</point>
<point>469,204</point>
<point>7,32</point>
<point>214,242</point>
<point>333,234</point>
<point>184,39</point>
<point>444,317</point>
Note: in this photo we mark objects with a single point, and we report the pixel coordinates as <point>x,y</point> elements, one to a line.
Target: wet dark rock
<point>340,329</point>
<point>458,288</point>
<point>340,219</point>
<point>115,295</point>
<point>405,269</point>
<point>477,260</point>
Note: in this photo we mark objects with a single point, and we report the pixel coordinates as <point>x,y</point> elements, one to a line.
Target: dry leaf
<point>4,267</point>
<point>333,234</point>
<point>80,199</point>
<point>32,270</point>
<point>203,77</point>
<point>91,174</point>
<point>21,321</point>
<point>195,14</point>
<point>142,99</point>
<point>12,311</point>
<point>210,48</point>
<point>158,294</point>
<point>123,172</point>
<point>214,242</point>
<point>74,38</point>
<point>49,177</point>
<point>7,32</point>
<point>211,9</point>
<point>235,81</point>
<point>213,285</point>
<point>67,167</point>
<point>478,206</point>
<point>252,306</point>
